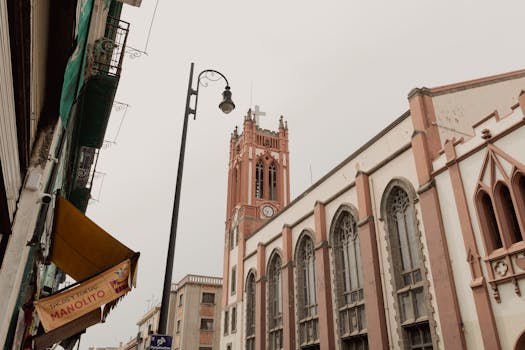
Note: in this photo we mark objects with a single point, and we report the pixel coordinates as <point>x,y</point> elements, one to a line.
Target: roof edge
<point>469,84</point>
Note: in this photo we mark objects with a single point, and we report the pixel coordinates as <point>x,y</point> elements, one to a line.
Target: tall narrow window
<point>234,319</point>
<point>250,312</point>
<point>273,181</point>
<point>226,321</point>
<point>519,191</point>
<point>235,187</point>
<point>233,286</point>
<point>521,186</point>
<point>407,263</point>
<point>275,304</point>
<point>231,238</point>
<point>489,224</point>
<point>350,298</point>
<point>308,321</point>
<point>259,179</point>
<point>509,220</point>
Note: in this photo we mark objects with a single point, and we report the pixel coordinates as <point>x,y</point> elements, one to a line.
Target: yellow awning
<point>81,248</point>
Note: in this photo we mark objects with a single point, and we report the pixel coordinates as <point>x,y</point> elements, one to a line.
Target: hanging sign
<point>62,308</point>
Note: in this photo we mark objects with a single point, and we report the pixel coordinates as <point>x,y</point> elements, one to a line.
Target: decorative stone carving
<point>501,268</point>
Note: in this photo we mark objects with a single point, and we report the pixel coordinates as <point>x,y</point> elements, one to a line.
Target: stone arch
<point>401,182</point>
<point>251,271</point>
<point>520,343</point>
<point>275,252</point>
<point>305,233</point>
<point>345,207</point>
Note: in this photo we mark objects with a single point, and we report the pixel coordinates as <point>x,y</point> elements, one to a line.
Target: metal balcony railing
<point>86,167</point>
<point>108,51</point>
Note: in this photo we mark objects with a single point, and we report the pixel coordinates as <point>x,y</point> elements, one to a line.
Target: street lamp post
<point>226,106</point>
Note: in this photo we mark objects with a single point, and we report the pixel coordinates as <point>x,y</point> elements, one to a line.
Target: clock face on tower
<point>268,211</point>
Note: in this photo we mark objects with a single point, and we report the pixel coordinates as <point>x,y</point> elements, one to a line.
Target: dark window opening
<point>491,224</point>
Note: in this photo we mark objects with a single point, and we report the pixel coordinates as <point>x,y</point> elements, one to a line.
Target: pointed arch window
<point>272,179</point>
<point>349,282</point>
<point>250,312</point>
<point>519,190</point>
<point>307,298</point>
<point>509,219</point>
<point>259,179</point>
<point>408,268</point>
<point>500,203</point>
<point>275,304</point>
<point>235,192</point>
<point>489,223</point>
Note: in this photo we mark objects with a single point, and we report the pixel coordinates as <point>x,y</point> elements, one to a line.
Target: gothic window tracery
<point>407,263</point>
<point>250,312</point>
<point>307,298</point>
<point>275,304</point>
<point>350,296</point>
<point>500,205</point>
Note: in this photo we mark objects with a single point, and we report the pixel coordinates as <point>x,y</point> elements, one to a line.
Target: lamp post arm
<point>204,76</point>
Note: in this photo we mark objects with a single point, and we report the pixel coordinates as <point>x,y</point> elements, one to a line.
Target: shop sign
<point>62,308</point>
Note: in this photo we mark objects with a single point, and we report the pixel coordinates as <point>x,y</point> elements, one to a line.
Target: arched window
<point>509,220</point>
<point>250,312</point>
<point>307,298</point>
<point>272,172</point>
<point>407,265</point>
<point>275,304</point>
<point>259,179</point>
<point>235,192</point>
<point>489,224</point>
<point>519,191</point>
<point>349,282</point>
<point>500,203</point>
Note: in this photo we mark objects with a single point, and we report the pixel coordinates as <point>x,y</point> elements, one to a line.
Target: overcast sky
<point>338,71</point>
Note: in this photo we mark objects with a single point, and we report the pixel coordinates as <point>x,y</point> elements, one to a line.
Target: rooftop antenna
<point>251,92</point>
<point>311,177</point>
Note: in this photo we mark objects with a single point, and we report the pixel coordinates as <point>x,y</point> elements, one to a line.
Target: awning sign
<point>59,309</point>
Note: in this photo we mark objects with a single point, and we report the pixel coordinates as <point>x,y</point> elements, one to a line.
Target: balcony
<point>108,51</point>
<point>85,173</point>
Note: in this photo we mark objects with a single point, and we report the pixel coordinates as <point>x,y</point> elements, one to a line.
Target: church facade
<point>415,241</point>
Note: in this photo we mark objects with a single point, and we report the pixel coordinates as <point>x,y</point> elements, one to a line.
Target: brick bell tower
<point>258,188</point>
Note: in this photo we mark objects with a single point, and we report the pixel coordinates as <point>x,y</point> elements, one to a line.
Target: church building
<point>414,241</point>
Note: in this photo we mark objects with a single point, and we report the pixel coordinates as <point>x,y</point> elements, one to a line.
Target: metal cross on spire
<point>256,113</point>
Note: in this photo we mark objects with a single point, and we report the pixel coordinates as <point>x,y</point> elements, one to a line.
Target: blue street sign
<point>160,342</point>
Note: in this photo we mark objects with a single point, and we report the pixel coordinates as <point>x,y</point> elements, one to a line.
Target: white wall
<point>459,110</point>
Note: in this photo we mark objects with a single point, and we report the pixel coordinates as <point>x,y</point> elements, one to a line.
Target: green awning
<point>74,73</point>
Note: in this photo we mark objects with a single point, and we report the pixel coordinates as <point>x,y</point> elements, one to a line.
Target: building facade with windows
<point>60,65</point>
<point>415,241</point>
<point>194,313</point>
<point>148,325</point>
